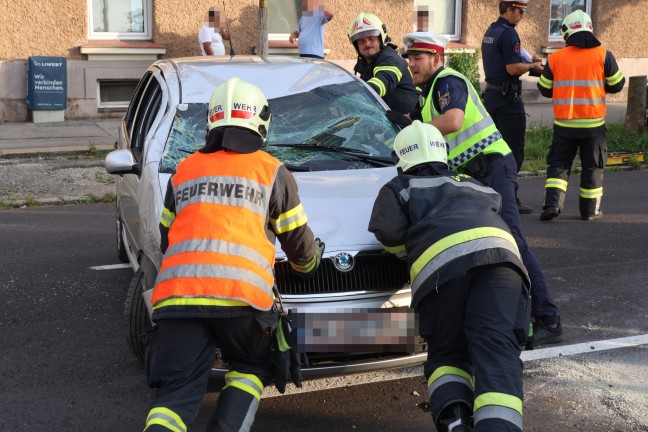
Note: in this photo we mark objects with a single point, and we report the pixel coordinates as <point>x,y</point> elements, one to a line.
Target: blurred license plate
<point>357,330</point>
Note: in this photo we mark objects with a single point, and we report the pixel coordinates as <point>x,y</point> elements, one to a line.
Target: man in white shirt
<point>211,34</point>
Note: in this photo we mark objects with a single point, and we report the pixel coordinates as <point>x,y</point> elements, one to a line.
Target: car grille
<point>371,272</point>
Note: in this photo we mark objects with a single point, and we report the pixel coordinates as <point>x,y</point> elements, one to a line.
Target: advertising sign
<point>46,83</point>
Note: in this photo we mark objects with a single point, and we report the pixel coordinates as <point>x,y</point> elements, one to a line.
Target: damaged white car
<point>332,133</point>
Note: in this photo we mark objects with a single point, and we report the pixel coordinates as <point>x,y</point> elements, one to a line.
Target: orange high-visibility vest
<point>219,253</point>
<point>578,86</point>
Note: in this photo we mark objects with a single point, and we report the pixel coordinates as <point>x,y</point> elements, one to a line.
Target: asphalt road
<point>65,365</point>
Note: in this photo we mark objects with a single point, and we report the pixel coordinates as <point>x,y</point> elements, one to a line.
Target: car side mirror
<point>122,162</point>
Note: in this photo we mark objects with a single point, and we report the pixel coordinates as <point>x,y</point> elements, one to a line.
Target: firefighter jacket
<point>223,212</point>
<point>577,80</point>
<point>445,225</point>
<point>388,74</point>
<point>478,133</point>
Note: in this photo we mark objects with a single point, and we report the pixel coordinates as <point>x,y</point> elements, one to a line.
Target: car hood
<point>339,204</point>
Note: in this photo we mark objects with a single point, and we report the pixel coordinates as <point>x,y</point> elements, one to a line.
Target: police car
<point>330,130</point>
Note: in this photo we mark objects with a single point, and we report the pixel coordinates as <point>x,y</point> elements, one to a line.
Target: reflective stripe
<point>248,421</point>
<point>195,271</point>
<point>232,191</point>
<point>453,252</point>
<point>447,374</point>
<point>421,183</point>
<point>498,412</point>
<point>614,79</point>
<point>392,69</point>
<point>556,183</point>
<point>473,129</point>
<point>399,251</point>
<point>473,151</point>
<point>580,123</point>
<point>545,82</point>
<point>290,220</point>
<point>222,247</point>
<point>282,341</point>
<point>199,301</point>
<point>247,382</point>
<point>579,101</point>
<point>306,268</point>
<point>382,90</point>
<point>579,83</point>
<point>167,217</point>
<point>498,399</point>
<point>166,418</point>
<point>591,193</point>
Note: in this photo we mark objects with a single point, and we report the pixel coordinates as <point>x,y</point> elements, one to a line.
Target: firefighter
<point>223,209</point>
<point>477,148</point>
<point>469,285</point>
<point>380,65</point>
<point>577,78</point>
<point>504,63</point>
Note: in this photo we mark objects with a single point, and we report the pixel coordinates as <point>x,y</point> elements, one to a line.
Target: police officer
<point>380,65</point>
<point>477,148</point>
<point>469,285</point>
<point>223,209</point>
<point>504,62</point>
<point>577,78</point>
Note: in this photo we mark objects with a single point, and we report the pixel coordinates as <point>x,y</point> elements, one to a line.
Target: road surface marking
<point>111,267</point>
<point>319,384</point>
<point>585,347</point>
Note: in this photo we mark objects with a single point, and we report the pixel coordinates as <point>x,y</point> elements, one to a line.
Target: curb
<point>66,200</point>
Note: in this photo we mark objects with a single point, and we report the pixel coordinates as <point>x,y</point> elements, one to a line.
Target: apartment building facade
<point>107,44</point>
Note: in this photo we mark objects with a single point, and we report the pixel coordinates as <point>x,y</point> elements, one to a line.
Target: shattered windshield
<point>332,127</point>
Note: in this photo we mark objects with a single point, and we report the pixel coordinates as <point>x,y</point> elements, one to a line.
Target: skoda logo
<point>343,262</point>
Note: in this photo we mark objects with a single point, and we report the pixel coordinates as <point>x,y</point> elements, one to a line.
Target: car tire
<point>121,246</point>
<point>136,318</point>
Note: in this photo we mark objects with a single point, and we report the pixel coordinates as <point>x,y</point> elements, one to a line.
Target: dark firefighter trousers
<point>510,119</point>
<point>507,112</point>
<point>180,355</point>
<point>592,145</point>
<point>501,175</point>
<point>475,324</point>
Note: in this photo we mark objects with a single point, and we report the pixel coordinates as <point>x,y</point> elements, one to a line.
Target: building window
<point>439,16</point>
<point>560,9</point>
<point>283,16</point>
<point>119,19</point>
<point>115,94</point>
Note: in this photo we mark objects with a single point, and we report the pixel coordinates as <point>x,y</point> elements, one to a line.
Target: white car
<point>330,129</point>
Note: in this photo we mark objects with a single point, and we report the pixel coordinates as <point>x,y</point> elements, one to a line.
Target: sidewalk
<point>100,134</point>
<point>67,136</point>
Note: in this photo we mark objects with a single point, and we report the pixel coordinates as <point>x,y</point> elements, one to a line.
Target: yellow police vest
<point>478,133</point>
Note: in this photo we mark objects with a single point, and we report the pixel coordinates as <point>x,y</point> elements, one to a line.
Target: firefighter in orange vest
<point>224,208</point>
<point>577,78</point>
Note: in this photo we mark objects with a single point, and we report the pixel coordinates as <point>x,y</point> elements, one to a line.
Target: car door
<point>137,123</point>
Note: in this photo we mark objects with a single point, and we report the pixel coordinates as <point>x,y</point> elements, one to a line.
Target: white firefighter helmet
<point>239,103</point>
<point>575,22</point>
<point>419,143</point>
<point>366,24</point>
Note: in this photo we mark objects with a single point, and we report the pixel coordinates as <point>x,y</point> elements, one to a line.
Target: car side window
<point>135,99</point>
<point>147,110</point>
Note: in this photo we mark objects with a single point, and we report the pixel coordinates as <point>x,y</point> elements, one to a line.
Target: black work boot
<point>523,209</point>
<point>549,213</point>
<point>455,418</point>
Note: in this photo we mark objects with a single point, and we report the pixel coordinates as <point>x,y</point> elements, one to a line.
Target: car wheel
<point>136,318</point>
<point>121,246</point>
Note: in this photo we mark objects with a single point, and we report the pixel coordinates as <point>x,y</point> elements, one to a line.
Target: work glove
<point>399,119</point>
<point>319,251</point>
<point>308,270</point>
<point>287,362</point>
